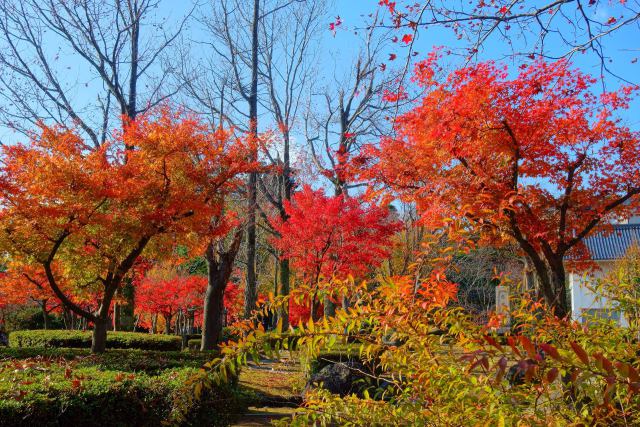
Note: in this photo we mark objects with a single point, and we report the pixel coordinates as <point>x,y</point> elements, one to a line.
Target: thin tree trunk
<point>251,291</point>
<point>329,307</point>
<point>154,323</point>
<point>45,316</point>
<point>167,324</point>
<point>315,307</point>
<point>283,290</point>
<point>116,316</point>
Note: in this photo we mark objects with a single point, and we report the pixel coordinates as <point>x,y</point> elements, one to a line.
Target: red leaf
<point>551,375</point>
<point>528,346</point>
<point>493,342</point>
<point>551,351</point>
<point>579,351</point>
<point>407,38</point>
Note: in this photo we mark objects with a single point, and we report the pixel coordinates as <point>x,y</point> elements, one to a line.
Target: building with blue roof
<point>604,248</point>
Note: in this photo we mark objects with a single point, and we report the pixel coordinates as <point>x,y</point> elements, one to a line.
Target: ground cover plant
<point>75,387</point>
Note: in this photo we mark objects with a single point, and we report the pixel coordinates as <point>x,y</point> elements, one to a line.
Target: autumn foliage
<point>327,237</point>
<point>94,212</point>
<point>537,157</point>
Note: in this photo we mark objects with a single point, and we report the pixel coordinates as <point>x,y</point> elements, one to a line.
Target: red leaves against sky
<point>539,152</point>
<point>334,236</point>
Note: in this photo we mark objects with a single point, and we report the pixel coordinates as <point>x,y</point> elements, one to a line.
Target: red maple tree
<point>538,158</point>
<point>333,237</point>
<point>24,284</point>
<point>95,212</point>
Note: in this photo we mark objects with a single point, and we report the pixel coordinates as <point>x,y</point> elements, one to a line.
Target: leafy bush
<point>48,392</point>
<point>562,373</point>
<point>227,334</point>
<point>82,339</point>
<point>129,360</point>
<point>26,317</point>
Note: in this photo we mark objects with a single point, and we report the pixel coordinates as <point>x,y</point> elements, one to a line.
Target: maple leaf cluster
<point>539,156</point>
<point>326,237</point>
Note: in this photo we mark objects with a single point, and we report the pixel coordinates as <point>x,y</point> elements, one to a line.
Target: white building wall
<point>583,299</point>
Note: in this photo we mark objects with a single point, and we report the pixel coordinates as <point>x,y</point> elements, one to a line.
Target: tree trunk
<point>154,323</point>
<point>345,302</point>
<point>45,317</point>
<point>67,316</point>
<point>251,291</point>
<point>560,303</point>
<point>315,307</point>
<point>213,312</point>
<point>116,317</point>
<point>99,339</point>
<point>167,324</point>
<point>329,307</point>
<point>283,290</point>
<point>219,268</point>
<point>551,284</point>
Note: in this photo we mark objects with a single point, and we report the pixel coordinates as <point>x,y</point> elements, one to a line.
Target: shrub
<point>568,374</point>
<point>51,393</point>
<point>228,334</point>
<point>27,317</point>
<point>130,360</point>
<point>82,339</point>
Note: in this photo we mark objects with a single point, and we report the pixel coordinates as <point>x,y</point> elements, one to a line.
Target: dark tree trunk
<point>552,288</point>
<point>283,290</point>
<point>345,302</point>
<point>167,324</point>
<point>154,323</point>
<point>67,316</point>
<point>219,268</point>
<point>329,307</point>
<point>251,292</point>
<point>214,308</point>
<point>99,339</point>
<point>315,308</point>
<point>45,316</point>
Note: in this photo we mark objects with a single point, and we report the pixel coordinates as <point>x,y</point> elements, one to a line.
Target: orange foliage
<point>94,212</point>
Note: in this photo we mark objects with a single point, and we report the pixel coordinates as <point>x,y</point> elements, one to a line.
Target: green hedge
<point>130,360</point>
<point>228,334</point>
<point>82,339</point>
<point>50,394</point>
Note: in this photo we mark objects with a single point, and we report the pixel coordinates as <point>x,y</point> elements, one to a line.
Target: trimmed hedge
<point>57,395</point>
<point>130,360</point>
<point>67,386</point>
<point>195,340</point>
<point>82,339</point>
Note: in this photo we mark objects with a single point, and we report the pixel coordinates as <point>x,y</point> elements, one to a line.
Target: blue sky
<point>338,51</point>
